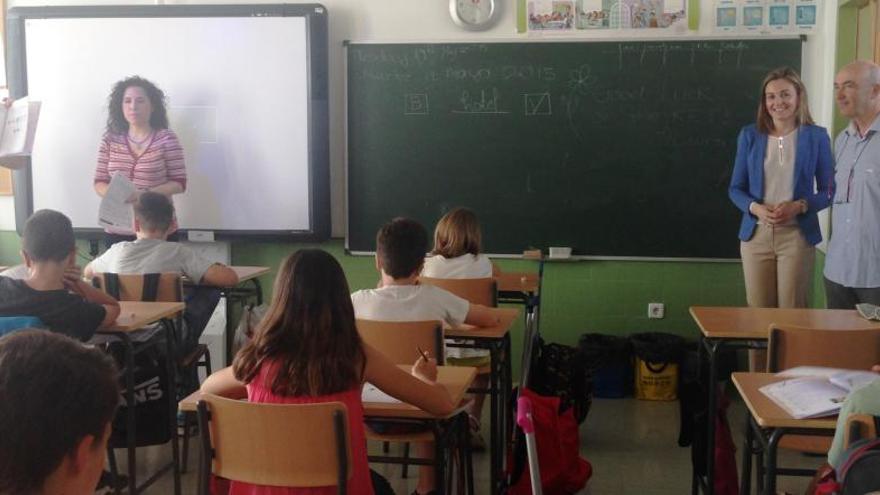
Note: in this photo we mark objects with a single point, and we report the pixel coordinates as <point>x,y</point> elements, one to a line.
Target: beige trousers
<point>778,268</point>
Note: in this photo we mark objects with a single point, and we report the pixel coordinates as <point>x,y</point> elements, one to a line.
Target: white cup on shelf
<point>560,253</point>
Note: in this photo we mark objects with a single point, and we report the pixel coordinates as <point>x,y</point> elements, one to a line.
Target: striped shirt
<point>161,162</point>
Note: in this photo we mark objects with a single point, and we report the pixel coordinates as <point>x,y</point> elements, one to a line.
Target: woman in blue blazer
<point>783,175</point>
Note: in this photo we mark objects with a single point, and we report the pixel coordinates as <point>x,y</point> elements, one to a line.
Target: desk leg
<point>506,386</point>
<point>712,347</point>
<point>439,459</point>
<point>495,433</point>
<point>745,483</point>
<point>772,446</point>
<point>131,448</point>
<point>258,290</point>
<point>172,406</point>
<point>230,329</point>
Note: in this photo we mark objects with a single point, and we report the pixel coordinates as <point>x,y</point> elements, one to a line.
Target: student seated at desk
<point>59,397</point>
<point>53,291</point>
<point>307,350</point>
<point>152,253</point>
<point>400,254</point>
<point>456,255</point>
<point>865,400</point>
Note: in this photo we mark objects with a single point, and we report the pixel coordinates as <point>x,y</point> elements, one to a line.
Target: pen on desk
<point>422,353</point>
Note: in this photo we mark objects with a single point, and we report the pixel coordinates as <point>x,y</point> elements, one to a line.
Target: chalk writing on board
<point>415,104</point>
<point>537,104</point>
<point>527,72</point>
<point>581,80</point>
<point>482,102</point>
<point>725,52</point>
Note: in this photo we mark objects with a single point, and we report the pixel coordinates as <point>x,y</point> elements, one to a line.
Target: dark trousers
<point>839,297</point>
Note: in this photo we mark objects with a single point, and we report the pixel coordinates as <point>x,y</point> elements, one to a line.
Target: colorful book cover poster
<point>725,16</point>
<point>551,15</point>
<point>753,15</point>
<point>594,14</point>
<point>646,14</point>
<point>806,14</point>
<point>779,15</point>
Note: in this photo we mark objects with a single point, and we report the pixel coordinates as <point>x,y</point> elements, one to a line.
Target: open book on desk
<point>18,125</point>
<point>815,391</point>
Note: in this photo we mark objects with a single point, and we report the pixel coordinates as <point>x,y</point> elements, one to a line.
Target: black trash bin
<point>610,358</point>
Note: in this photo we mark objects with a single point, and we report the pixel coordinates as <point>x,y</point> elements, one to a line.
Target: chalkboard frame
<point>577,257</point>
<point>315,16</point>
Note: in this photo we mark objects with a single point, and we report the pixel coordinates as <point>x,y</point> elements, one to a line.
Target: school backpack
<point>860,471</point>
<point>560,371</point>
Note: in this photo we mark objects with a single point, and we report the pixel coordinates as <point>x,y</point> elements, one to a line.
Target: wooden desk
<point>132,317</point>
<point>767,424</point>
<point>246,273</point>
<point>136,315</point>
<point>497,340</point>
<point>447,429</point>
<point>743,328</point>
<point>456,380</point>
<point>754,323</point>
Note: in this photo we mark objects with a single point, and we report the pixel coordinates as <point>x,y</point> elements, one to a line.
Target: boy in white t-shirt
<point>400,254</point>
<point>152,253</point>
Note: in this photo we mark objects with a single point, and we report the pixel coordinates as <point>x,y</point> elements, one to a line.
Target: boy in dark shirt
<point>53,290</point>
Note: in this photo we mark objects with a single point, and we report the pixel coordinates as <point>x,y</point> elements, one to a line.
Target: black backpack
<point>559,370</point>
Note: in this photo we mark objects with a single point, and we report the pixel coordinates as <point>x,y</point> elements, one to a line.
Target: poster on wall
<point>753,19</point>
<point>568,15</point>
<point>806,13</point>
<point>779,15</point>
<point>726,16</point>
<point>593,14</point>
<point>648,14</point>
<point>550,15</point>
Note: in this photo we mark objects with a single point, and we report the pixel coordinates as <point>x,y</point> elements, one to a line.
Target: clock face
<point>473,14</point>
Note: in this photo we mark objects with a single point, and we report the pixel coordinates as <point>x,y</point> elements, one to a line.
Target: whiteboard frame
<point>318,100</point>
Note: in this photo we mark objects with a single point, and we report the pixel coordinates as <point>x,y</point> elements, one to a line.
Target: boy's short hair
<point>401,245</point>
<point>55,392</point>
<point>48,236</point>
<point>154,211</point>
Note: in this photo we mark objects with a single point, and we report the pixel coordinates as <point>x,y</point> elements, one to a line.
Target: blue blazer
<point>813,177</point>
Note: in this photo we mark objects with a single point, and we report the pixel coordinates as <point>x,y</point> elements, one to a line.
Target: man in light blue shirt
<point>852,266</point>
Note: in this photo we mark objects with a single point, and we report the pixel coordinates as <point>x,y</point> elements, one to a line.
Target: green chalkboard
<point>612,148</point>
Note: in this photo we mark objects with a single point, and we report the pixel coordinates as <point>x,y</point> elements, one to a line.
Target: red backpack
<point>563,471</point>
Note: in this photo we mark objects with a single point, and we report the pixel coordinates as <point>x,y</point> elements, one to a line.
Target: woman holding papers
<point>138,144</point>
<point>782,176</point>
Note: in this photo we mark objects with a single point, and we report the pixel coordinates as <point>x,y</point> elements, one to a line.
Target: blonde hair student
<point>457,245</point>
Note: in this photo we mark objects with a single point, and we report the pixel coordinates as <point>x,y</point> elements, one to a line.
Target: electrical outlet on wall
<point>656,310</point>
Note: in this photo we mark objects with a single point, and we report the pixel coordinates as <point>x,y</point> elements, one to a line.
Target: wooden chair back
<point>400,341</point>
<point>150,287</point>
<point>791,346</point>
<point>859,427</point>
<point>475,290</point>
<point>284,445</point>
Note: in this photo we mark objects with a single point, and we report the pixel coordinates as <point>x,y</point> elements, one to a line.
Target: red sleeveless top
<point>259,390</point>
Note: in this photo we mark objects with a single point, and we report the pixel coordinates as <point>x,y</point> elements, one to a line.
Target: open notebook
<point>371,393</point>
<point>815,391</point>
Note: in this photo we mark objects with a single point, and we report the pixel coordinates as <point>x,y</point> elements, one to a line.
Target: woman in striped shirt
<point>139,144</point>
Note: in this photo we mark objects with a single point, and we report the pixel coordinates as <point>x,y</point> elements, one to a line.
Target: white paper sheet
<point>371,393</point>
<point>115,214</point>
